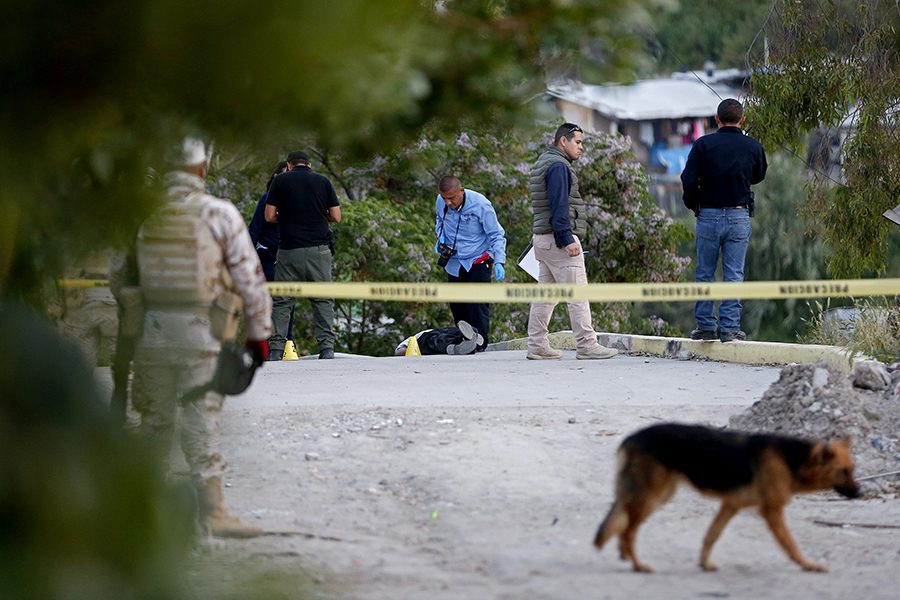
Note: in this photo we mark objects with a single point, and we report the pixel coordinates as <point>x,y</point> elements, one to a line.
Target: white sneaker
<point>595,353</point>
<point>544,354</point>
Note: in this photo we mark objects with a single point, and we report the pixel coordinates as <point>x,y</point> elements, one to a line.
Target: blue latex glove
<point>499,272</point>
<point>436,247</point>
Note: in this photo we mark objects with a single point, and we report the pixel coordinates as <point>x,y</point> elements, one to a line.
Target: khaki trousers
<point>155,392</point>
<point>91,320</point>
<point>558,267</point>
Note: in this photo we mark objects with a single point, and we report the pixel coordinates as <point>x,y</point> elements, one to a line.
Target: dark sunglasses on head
<point>573,129</point>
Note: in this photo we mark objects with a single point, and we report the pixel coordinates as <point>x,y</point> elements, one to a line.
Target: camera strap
<point>456,235</point>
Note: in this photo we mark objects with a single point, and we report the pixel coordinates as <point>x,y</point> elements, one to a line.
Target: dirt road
<point>486,477</point>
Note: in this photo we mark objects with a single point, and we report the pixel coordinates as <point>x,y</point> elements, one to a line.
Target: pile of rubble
<point>814,401</point>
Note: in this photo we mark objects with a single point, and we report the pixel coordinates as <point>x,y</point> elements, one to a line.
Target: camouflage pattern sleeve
<point>243,265</point>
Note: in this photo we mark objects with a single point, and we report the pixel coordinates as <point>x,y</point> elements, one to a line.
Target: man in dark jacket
<point>304,204</point>
<point>720,169</point>
<point>263,234</point>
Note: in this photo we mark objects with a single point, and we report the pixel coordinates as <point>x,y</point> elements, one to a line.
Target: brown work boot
<point>596,353</point>
<point>547,353</point>
<point>216,519</point>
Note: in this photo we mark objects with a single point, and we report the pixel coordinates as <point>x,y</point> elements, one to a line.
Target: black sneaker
<point>703,335</point>
<point>326,353</point>
<point>731,336</point>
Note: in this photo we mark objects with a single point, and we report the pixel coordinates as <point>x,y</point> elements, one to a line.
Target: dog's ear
<point>821,453</point>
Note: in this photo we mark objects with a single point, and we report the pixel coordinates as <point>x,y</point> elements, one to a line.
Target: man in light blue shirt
<point>471,244</point>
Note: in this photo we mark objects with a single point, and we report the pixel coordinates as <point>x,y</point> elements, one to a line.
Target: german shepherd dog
<point>742,469</point>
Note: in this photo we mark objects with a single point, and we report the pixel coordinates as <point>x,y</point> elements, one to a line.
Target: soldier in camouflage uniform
<point>89,314</point>
<point>196,266</point>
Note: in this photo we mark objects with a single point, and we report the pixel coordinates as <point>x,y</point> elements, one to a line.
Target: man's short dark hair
<point>730,111</point>
<point>447,183</point>
<point>566,130</point>
<point>298,156</point>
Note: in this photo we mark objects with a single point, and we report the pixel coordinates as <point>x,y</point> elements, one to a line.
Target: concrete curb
<point>750,353</point>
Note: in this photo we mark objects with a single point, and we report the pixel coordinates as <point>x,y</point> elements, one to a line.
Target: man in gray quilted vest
<point>559,225</point>
<point>198,271</point>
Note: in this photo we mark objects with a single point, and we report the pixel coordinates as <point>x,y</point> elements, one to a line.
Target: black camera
<point>445,251</point>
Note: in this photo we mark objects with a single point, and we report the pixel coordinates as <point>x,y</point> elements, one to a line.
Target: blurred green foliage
<point>85,511</point>
<point>686,34</point>
<point>92,92</point>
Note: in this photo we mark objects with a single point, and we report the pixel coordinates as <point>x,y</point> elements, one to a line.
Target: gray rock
<point>684,355</point>
<point>838,323</point>
<point>819,379</point>
<point>880,443</point>
<point>871,375</point>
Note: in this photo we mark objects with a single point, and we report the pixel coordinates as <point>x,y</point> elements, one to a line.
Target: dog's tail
<point>616,519</point>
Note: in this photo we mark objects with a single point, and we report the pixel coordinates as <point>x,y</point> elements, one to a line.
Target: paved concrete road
<point>486,476</point>
<point>505,379</point>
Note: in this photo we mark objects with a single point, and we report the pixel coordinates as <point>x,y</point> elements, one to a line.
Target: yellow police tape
<point>594,292</point>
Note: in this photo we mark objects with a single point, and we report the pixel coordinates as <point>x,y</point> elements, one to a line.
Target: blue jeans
<point>725,231</point>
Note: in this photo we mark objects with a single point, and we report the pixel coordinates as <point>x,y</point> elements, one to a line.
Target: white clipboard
<point>528,262</point>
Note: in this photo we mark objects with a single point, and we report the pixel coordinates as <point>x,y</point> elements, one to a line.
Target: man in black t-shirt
<point>303,203</point>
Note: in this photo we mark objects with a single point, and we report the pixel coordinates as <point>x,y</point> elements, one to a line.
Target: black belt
<point>741,206</point>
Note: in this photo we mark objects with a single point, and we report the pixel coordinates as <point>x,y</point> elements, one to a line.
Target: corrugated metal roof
<point>645,100</point>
